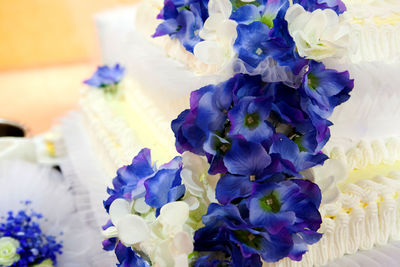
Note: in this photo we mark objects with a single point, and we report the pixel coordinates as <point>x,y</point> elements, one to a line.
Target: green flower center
<point>271,203</point>
<point>267,20</point>
<point>248,238</point>
<point>252,120</point>
<point>313,81</point>
<point>220,146</point>
<point>238,3</point>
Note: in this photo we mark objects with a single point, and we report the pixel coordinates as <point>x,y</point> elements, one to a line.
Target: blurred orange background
<point>47,48</point>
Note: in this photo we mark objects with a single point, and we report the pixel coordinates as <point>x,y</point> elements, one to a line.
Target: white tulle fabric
<point>51,196</point>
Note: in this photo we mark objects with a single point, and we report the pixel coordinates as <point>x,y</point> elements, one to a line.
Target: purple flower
<point>287,157</point>
<point>227,229</point>
<point>127,257</point>
<point>129,182</point>
<point>248,119</point>
<point>247,111</point>
<point>106,76</point>
<point>165,185</point>
<point>251,43</point>
<point>310,5</point>
<point>324,89</point>
<point>183,20</point>
<point>246,158</point>
<point>263,32</point>
<point>276,220</point>
<point>142,179</point>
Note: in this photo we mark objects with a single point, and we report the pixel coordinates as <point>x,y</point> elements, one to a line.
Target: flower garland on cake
<point>237,196</point>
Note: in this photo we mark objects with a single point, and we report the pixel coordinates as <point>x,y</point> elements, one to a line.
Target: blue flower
<point>275,220</point>
<point>247,111</point>
<point>257,41</point>
<point>183,20</point>
<point>129,182</point>
<point>141,179</point>
<point>248,119</point>
<point>311,5</point>
<point>227,230</point>
<point>264,11</point>
<point>34,245</point>
<point>287,158</point>
<point>106,76</point>
<point>251,42</point>
<point>324,89</point>
<point>281,46</point>
<point>246,158</point>
<point>127,257</point>
<point>231,187</point>
<point>165,185</point>
<point>284,205</point>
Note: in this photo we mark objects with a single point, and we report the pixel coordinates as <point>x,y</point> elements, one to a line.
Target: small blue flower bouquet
<point>107,78</point>
<point>236,196</point>
<point>22,242</point>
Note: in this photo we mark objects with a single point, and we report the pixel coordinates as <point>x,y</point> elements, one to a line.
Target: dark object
<point>11,129</point>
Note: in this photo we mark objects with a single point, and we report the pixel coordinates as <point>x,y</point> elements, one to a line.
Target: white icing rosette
<point>50,195</point>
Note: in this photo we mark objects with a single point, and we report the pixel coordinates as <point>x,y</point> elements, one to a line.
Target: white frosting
<point>368,153</point>
<point>364,216</point>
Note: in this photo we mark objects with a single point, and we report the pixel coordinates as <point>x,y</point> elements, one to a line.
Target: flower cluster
<point>139,210</point>
<point>183,20</point>
<point>107,77</point>
<point>246,34</point>
<point>258,135</point>
<point>155,211</point>
<point>238,195</point>
<point>22,242</point>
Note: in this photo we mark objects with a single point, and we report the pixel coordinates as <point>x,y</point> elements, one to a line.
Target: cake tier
<point>164,75</point>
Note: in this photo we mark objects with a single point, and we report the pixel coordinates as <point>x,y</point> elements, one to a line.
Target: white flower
<point>318,35</point>
<point>45,263</point>
<point>170,243</point>
<point>219,34</point>
<point>196,179</point>
<point>327,177</point>
<point>8,251</point>
<point>131,229</point>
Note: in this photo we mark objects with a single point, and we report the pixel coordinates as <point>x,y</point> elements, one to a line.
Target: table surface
<point>39,97</point>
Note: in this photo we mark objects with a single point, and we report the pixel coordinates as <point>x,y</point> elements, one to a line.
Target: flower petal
<point>119,209</point>
<point>132,229</point>
<point>174,213</point>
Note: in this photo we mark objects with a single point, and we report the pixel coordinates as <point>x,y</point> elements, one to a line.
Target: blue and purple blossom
<point>310,5</point>
<point>257,135</point>
<point>158,186</point>
<point>272,223</point>
<point>226,130</point>
<point>324,89</point>
<point>183,20</point>
<point>34,245</point>
<point>125,255</point>
<point>106,76</point>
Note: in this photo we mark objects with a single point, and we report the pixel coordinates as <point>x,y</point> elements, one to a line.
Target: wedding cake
<point>286,115</point>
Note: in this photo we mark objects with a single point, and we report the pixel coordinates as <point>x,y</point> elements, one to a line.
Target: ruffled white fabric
<point>51,196</point>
